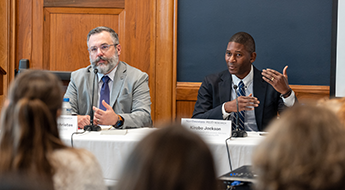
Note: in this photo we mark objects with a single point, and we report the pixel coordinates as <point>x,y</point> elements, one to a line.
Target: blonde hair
<point>337,105</point>
<point>305,149</point>
<point>29,130</point>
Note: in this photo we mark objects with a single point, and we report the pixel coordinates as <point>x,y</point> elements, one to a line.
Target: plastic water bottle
<point>66,107</point>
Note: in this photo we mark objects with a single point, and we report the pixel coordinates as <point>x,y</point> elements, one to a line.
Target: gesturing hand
<point>277,80</point>
<point>244,103</point>
<point>83,120</point>
<point>107,117</point>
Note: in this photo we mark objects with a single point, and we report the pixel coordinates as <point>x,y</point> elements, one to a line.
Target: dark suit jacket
<point>216,90</point>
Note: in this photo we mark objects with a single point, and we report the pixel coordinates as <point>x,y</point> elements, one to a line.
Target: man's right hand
<point>244,103</point>
<point>83,120</point>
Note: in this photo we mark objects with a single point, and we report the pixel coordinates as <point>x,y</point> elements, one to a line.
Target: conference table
<point>112,147</point>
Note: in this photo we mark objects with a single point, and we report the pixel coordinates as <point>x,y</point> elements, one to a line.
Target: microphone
<point>92,127</point>
<point>238,132</point>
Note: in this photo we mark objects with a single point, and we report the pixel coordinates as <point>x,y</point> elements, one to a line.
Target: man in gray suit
<point>122,99</point>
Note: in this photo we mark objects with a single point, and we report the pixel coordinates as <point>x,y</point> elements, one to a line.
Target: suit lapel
<point>225,87</point>
<point>120,75</point>
<point>259,88</point>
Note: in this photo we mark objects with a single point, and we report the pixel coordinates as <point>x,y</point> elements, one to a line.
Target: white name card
<point>207,128</point>
<point>67,124</point>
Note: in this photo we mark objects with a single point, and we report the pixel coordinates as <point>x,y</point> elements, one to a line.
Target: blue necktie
<point>105,93</point>
<point>240,92</point>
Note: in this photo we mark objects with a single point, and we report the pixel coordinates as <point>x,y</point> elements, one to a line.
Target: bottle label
<point>66,108</point>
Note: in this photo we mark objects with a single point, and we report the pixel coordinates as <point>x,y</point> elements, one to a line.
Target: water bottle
<point>66,107</point>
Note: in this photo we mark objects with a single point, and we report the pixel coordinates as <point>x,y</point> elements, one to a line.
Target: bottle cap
<point>66,99</point>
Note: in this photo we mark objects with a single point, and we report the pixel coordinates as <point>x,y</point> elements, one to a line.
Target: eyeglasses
<point>104,48</point>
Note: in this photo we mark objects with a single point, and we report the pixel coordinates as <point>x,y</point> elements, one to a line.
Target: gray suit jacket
<point>130,96</point>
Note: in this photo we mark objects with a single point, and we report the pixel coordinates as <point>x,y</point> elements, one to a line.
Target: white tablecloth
<point>240,150</point>
<point>111,151</point>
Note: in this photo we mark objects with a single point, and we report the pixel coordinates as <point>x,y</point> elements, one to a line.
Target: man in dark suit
<point>267,92</point>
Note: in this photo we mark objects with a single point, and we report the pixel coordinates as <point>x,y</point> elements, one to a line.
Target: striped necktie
<point>240,92</point>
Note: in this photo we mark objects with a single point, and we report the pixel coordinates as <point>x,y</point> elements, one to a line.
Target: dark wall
<point>296,33</point>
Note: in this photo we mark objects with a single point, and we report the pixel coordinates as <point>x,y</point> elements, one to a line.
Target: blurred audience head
<point>171,158</point>
<point>303,150</point>
<point>337,105</point>
<point>29,123</point>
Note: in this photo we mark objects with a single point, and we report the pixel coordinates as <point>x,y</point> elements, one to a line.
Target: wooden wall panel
<point>7,44</point>
<point>37,52</point>
<point>306,93</point>
<point>137,46</point>
<point>66,32</point>
<point>164,60</point>
<point>85,3</point>
<point>184,108</point>
<point>174,65</point>
<point>24,31</point>
<point>4,27</point>
<point>4,40</point>
<point>187,92</point>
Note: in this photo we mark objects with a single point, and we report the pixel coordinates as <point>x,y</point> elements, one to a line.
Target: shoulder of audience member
<point>71,155</point>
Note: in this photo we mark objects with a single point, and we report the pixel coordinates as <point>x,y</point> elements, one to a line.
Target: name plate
<point>207,128</point>
<point>67,124</point>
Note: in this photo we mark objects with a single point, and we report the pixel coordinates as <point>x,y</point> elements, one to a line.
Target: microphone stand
<point>92,127</point>
<point>237,132</point>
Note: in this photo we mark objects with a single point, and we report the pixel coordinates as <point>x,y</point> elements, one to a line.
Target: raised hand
<point>277,80</point>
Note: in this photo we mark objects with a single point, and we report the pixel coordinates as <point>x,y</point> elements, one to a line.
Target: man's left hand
<point>277,80</point>
<point>107,117</point>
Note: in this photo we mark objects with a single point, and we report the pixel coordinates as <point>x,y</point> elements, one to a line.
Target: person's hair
<point>337,105</point>
<point>245,39</point>
<point>171,158</point>
<point>303,150</point>
<point>101,29</point>
<point>29,124</point>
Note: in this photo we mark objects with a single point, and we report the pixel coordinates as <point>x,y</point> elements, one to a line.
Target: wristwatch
<point>286,94</point>
<point>119,122</point>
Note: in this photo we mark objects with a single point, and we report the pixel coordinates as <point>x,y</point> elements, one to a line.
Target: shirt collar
<point>111,75</point>
<point>246,80</point>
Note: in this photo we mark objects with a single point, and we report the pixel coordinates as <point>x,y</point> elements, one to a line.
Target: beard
<point>106,66</point>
